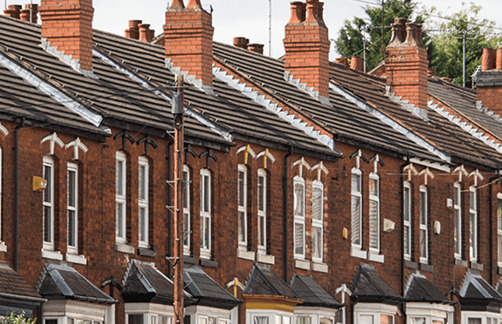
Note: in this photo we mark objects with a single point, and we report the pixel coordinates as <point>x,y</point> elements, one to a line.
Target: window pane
<point>72,188</point>
<point>120,178</point>
<point>418,320</point>
<point>48,177</point>
<point>71,229</point>
<point>407,248</point>
<point>186,189</point>
<point>212,320</point>
<point>47,224</point>
<point>423,243</point>
<point>325,320</point>
<point>366,319</point>
<point>374,224</point>
<point>456,196</point>
<point>207,190</point>
<point>186,228</point>
<point>260,320</point>
<point>386,319</point>
<point>374,187</point>
<point>120,220</point>
<point>423,208</point>
<point>457,233</point>
<point>406,204</point>
<point>261,193</point>
<point>317,242</point>
<point>317,197</point>
<point>142,182</point>
<point>261,230</point>
<point>303,320</point>
<point>299,199</point>
<point>472,200</point>
<point>356,183</point>
<point>136,319</point>
<point>240,188</point>
<point>142,224</point>
<point>242,227</point>
<point>299,236</point>
<point>474,321</point>
<point>356,221</point>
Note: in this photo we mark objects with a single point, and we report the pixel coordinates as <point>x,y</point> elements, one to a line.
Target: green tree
<point>350,39</point>
<point>447,54</point>
<point>12,318</point>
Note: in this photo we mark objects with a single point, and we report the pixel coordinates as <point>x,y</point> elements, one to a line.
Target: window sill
<point>410,264</point>
<point>208,263</point>
<point>74,258</point>
<point>188,259</point>
<point>246,255</point>
<point>499,270</point>
<point>268,259</point>
<point>425,267</point>
<point>3,247</point>
<point>52,255</point>
<point>124,248</point>
<point>320,267</point>
<point>356,251</point>
<point>302,264</point>
<point>477,266</point>
<point>376,257</point>
<point>461,263</point>
<point>148,252</point>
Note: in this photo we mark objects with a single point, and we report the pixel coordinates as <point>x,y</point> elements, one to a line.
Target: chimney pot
<point>412,37</point>
<point>241,42</point>
<point>177,5</point>
<point>488,59</point>
<point>257,48</point>
<point>194,4</point>
<point>445,79</point>
<point>498,64</point>
<point>431,72</point>
<point>357,63</point>
<point>312,12</point>
<point>297,13</point>
<point>342,61</point>
<point>145,33</point>
<point>398,31</point>
<point>133,31</point>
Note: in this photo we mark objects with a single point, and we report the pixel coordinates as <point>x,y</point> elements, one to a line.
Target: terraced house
<point>313,192</point>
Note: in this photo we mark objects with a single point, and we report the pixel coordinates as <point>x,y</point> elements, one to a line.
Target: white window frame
<point>299,218</point>
<point>473,224</point>
<point>150,311</point>
<point>483,315</point>
<point>205,247</point>
<point>357,247</point>
<point>407,223</point>
<point>315,314</point>
<point>48,162</point>
<point>375,199</point>
<point>262,212</point>
<point>64,310</point>
<point>318,223</point>
<point>187,233</point>
<point>424,215</point>
<point>72,248</point>
<point>432,312</point>
<point>121,198</point>
<point>457,213</point>
<point>204,312</point>
<point>143,203</point>
<point>374,309</point>
<point>242,207</point>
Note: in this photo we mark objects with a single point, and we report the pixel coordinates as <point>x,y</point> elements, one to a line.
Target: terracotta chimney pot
<point>297,13</point>
<point>241,42</point>
<point>312,12</point>
<point>177,5</point>
<point>398,32</point>
<point>488,59</point>
<point>194,4</point>
<point>498,64</point>
<point>145,33</point>
<point>133,31</point>
<point>257,48</point>
<point>357,63</point>
<point>342,61</point>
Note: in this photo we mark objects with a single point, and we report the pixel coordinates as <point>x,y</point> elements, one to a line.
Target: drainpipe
<point>402,235</point>
<point>169,203</point>
<point>490,211</point>
<point>285,191</point>
<point>16,194</point>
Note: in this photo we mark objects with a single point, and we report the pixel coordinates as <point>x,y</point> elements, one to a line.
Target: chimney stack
<point>257,48</point>
<point>29,13</point>
<point>342,61</point>
<point>307,46</point>
<point>67,25</point>
<point>133,30</point>
<point>406,64</point>
<point>188,35</point>
<point>13,11</point>
<point>241,42</point>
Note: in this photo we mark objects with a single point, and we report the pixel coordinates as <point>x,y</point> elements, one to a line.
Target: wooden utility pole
<point>179,311</point>
<point>383,29</point>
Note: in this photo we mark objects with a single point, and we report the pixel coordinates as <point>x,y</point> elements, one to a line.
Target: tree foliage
<point>447,56</point>
<point>350,39</point>
<point>12,318</point>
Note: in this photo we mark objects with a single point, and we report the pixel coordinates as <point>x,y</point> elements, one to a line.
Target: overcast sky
<point>249,18</point>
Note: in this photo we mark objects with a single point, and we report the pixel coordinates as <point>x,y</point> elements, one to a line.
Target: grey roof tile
<point>420,289</point>
<point>264,281</point>
<point>369,286</point>
<point>312,293</point>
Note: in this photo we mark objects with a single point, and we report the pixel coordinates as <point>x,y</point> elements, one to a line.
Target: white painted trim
<point>48,162</point>
<point>318,223</point>
<point>52,255</point>
<point>124,248</point>
<point>268,259</point>
<point>205,251</point>
<point>144,203</point>
<point>78,259</point>
<point>473,225</point>
<point>262,213</point>
<point>320,267</point>
<point>121,198</point>
<point>387,120</point>
<point>355,251</point>
<point>242,207</point>
<point>246,255</point>
<point>374,309</point>
<point>187,210</point>
<point>255,96</point>
<point>408,223</point>
<point>357,193</point>
<point>376,257</point>
<point>302,264</point>
<point>299,218</point>
<point>374,251</point>
<point>458,207</point>
<point>72,167</point>
<point>429,164</point>
<point>424,227</point>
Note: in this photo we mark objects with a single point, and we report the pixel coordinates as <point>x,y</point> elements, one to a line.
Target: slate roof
<point>312,293</point>
<point>368,286</point>
<point>141,103</point>
<point>13,284</point>
<point>264,281</point>
<point>206,291</point>
<point>420,289</point>
<point>437,130</point>
<point>64,282</point>
<point>347,122</point>
<point>477,294</point>
<point>143,282</point>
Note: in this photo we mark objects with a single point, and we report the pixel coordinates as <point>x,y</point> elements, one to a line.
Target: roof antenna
<point>31,11</point>
<point>270,28</point>
<point>5,4</point>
